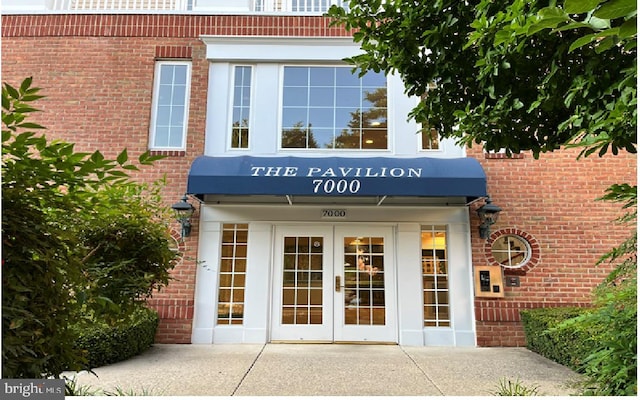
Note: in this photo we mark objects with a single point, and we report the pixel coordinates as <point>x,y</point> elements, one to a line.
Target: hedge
<point>106,345</point>
<point>566,345</point>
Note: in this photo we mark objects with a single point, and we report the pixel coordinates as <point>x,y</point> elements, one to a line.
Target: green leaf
<point>551,12</point>
<point>584,40</point>
<point>147,159</point>
<point>616,9</point>
<point>608,32</point>
<point>122,157</point>
<point>629,28</point>
<point>546,23</point>
<point>97,157</point>
<point>6,103</point>
<point>16,323</point>
<point>580,6</point>
<point>30,125</point>
<point>24,109</point>
<point>118,173</point>
<point>599,23</point>
<point>501,37</point>
<point>11,91</point>
<point>571,26</point>
<point>517,104</point>
<point>605,44</point>
<point>26,84</point>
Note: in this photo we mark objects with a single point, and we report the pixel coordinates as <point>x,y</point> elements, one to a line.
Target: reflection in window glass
<point>331,108</point>
<point>429,135</point>
<point>435,276</point>
<point>430,140</point>
<point>233,268</point>
<point>364,292</point>
<point>511,251</point>
<point>241,108</point>
<point>171,96</point>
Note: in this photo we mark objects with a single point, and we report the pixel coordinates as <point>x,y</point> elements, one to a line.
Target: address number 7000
<point>329,186</point>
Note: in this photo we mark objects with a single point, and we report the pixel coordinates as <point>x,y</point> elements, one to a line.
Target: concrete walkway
<point>329,370</point>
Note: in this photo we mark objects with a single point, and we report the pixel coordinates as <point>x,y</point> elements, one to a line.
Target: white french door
<point>334,284</point>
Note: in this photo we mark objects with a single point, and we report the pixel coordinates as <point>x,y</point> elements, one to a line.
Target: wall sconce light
<point>488,214</point>
<point>184,210</point>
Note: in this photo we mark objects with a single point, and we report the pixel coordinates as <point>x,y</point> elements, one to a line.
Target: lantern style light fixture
<point>488,214</point>
<point>184,210</point>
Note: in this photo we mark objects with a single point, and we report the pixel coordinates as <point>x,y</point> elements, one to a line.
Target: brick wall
<point>97,73</point>
<point>552,200</point>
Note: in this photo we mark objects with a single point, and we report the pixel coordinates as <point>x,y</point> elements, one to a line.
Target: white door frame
<point>366,333</point>
<point>333,328</point>
<point>290,332</point>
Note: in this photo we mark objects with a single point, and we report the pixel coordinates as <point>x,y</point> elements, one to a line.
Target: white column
<point>409,285</point>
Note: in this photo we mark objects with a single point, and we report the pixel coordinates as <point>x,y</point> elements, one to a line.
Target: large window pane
<point>296,76</point>
<point>321,76</point>
<point>329,107</point>
<point>321,117</point>
<point>321,96</point>
<point>344,77</point>
<point>295,96</point>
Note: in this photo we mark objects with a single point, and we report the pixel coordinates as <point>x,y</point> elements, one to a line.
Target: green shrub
<point>612,365</point>
<point>104,344</point>
<point>546,336</point>
<point>48,188</point>
<point>126,245</point>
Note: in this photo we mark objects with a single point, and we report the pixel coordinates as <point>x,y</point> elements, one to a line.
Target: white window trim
<point>154,105</point>
<point>240,49</point>
<point>276,51</point>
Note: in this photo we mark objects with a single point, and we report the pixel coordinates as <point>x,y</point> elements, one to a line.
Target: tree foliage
<point>48,189</point>
<point>511,74</point>
<point>525,75</point>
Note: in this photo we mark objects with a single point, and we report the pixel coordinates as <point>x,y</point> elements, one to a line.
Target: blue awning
<point>337,176</point>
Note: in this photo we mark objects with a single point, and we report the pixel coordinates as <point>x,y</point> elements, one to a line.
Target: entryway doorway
<point>334,283</point>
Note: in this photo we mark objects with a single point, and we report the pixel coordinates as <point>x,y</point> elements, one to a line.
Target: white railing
<point>303,6</point>
<point>148,6</point>
<point>104,5</point>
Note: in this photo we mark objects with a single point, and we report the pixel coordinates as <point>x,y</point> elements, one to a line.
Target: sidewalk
<point>329,370</point>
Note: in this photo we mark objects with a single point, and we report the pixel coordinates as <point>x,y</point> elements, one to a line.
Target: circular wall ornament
<point>513,249</point>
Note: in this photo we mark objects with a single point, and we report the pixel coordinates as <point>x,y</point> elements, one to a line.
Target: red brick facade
<point>97,73</point>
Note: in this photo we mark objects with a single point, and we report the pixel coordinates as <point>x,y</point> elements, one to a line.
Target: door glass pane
<point>364,300</point>
<point>301,288</point>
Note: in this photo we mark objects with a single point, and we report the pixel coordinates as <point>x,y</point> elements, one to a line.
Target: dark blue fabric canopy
<point>337,176</point>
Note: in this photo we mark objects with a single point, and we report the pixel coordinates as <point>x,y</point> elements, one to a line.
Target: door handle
<point>338,283</point>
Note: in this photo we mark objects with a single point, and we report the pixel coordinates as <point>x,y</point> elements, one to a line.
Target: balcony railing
<point>166,6</point>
